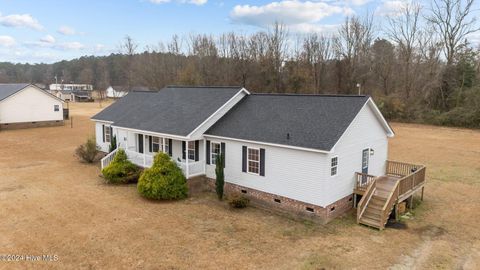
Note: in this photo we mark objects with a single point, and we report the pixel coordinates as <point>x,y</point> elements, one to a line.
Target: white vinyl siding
<point>295,174</point>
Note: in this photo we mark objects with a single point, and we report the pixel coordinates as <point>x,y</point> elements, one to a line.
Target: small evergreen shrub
<point>88,151</point>
<point>121,170</point>
<point>238,201</point>
<point>113,144</point>
<point>220,176</point>
<point>163,181</point>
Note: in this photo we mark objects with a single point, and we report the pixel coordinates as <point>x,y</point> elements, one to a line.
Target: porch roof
<point>174,110</point>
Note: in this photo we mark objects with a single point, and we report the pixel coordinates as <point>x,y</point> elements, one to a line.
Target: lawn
<point>53,204</point>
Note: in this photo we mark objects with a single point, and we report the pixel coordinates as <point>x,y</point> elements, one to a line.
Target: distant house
<point>121,91</point>
<point>71,86</point>
<point>26,105</point>
<point>313,155</point>
<point>73,95</point>
<point>115,92</point>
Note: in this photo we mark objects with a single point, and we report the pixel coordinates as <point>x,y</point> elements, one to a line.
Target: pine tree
<point>220,176</point>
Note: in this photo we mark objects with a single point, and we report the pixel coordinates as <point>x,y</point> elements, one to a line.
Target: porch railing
<point>363,180</point>
<point>105,161</point>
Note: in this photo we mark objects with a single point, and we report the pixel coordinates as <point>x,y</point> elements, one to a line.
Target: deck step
<point>370,222</point>
<point>372,216</point>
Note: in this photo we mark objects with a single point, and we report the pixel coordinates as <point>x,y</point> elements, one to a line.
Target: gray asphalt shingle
<point>8,89</point>
<point>310,121</point>
<point>173,110</point>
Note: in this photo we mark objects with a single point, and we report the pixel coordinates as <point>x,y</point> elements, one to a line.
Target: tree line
<point>418,67</point>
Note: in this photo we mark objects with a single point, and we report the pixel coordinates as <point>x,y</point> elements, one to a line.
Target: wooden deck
<point>381,194</point>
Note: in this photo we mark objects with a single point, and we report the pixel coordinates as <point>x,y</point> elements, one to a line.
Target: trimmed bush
<point>88,152</point>
<point>238,201</point>
<point>121,170</point>
<point>113,144</point>
<point>163,181</point>
<point>220,176</point>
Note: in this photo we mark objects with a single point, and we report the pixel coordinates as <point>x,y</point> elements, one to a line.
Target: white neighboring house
<point>26,105</point>
<point>115,92</point>
<point>299,153</point>
<point>71,86</point>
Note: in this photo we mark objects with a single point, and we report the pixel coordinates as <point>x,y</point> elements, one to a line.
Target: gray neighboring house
<point>298,153</point>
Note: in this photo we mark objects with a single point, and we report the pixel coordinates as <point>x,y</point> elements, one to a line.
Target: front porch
<point>142,147</point>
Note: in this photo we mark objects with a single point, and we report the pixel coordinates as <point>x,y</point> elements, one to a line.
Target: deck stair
<point>381,194</point>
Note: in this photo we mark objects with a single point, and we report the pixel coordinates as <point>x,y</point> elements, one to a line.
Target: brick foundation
<point>10,126</point>
<point>278,203</point>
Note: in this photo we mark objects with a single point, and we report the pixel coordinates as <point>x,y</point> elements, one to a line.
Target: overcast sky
<point>52,30</point>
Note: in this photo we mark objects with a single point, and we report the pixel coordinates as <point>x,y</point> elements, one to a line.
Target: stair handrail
<point>106,160</point>
<point>391,199</point>
<point>362,204</point>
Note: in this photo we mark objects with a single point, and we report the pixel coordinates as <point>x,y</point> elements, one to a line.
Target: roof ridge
<point>202,86</point>
<point>304,94</point>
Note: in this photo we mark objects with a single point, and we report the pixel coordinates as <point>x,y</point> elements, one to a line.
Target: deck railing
<point>362,180</point>
<point>396,168</point>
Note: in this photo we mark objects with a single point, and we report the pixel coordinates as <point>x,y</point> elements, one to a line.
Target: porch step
<point>370,222</point>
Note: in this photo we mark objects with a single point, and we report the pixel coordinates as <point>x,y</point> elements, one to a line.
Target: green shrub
<point>163,181</point>
<point>238,201</point>
<point>113,144</point>
<point>88,152</point>
<point>220,176</point>
<point>121,170</point>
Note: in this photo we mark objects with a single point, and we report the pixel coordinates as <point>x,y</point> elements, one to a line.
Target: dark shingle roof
<point>310,121</point>
<point>174,110</point>
<point>8,89</point>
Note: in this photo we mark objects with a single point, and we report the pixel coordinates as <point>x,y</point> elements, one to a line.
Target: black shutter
<point>170,147</point>
<point>196,150</point>
<point>262,162</point>
<point>103,133</point>
<point>183,150</point>
<point>150,143</point>
<point>244,159</point>
<point>222,147</point>
<point>207,156</point>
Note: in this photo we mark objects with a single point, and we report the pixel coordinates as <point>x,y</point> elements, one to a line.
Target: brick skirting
<point>10,126</point>
<point>282,204</point>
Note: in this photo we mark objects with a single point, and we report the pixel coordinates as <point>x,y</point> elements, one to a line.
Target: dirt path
<point>52,204</point>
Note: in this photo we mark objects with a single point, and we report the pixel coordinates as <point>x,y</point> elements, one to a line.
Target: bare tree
<point>129,48</point>
<point>453,23</point>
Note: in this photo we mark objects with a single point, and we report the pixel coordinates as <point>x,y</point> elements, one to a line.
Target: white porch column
<point>186,160</point>
<point>163,144</point>
<point>144,152</point>
<point>204,156</point>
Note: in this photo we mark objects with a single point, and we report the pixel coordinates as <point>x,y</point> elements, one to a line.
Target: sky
<point>52,30</point>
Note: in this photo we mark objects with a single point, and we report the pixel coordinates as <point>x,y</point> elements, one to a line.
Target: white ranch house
<point>307,154</point>
<point>26,105</point>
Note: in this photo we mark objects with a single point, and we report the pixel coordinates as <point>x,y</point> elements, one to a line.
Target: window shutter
<point>103,133</point>
<point>207,156</point>
<point>150,144</point>
<point>222,147</point>
<point>244,159</point>
<point>183,150</point>
<point>196,150</point>
<point>262,162</point>
<point>170,147</point>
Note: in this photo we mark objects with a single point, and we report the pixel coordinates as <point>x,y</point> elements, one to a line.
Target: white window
<point>215,151</point>
<point>56,108</point>
<point>334,166</point>
<point>191,150</point>
<point>156,144</point>
<point>106,131</point>
<point>253,159</point>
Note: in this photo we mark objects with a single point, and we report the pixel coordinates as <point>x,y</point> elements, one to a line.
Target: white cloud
<point>391,8</point>
<point>48,39</point>
<point>7,41</point>
<point>20,20</point>
<point>66,30</point>
<point>195,2</point>
<point>70,46</point>
<point>296,15</point>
